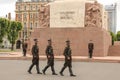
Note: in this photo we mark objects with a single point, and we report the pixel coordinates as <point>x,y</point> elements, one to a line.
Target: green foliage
<point>19,26</point>
<point>9,28</point>
<point>3,27</point>
<point>113,36</point>
<point>118,36</point>
<point>13,32</point>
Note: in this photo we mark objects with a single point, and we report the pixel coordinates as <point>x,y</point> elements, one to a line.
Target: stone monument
<point>80,21</point>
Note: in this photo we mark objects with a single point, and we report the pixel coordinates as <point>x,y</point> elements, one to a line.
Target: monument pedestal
<point>80,21</point>
<point>79,37</point>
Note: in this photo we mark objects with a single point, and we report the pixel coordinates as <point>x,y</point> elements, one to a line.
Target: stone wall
<point>79,37</point>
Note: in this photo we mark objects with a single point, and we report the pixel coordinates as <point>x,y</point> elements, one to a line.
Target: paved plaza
<point>17,70</point>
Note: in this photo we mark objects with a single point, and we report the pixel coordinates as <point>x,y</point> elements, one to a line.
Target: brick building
<point>27,12</point>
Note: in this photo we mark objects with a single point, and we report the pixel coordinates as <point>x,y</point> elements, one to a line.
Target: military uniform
<point>50,58</point>
<point>35,60</point>
<point>24,46</point>
<point>68,60</point>
<point>90,47</point>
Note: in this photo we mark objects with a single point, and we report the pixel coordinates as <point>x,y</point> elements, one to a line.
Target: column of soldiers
<point>50,57</point>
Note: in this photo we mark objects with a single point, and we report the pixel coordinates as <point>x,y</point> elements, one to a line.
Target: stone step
<point>114,50</point>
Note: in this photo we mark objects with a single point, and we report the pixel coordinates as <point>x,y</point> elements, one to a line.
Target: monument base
<point>79,37</point>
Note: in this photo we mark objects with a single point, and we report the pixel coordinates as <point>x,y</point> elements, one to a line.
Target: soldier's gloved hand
<point>68,58</point>
<point>48,56</point>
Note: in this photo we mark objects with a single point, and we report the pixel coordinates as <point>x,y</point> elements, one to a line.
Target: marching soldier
<point>90,47</point>
<point>68,59</point>
<point>50,57</point>
<point>35,60</point>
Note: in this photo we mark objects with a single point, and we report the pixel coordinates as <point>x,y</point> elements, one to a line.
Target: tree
<point>113,36</point>
<point>19,26</point>
<point>13,32</point>
<point>3,27</point>
<point>118,36</point>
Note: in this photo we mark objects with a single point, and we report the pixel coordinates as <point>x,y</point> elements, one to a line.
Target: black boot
<point>43,72</point>
<point>72,75</point>
<point>30,68</point>
<point>61,74</point>
<point>39,73</point>
<point>29,72</point>
<point>53,71</point>
<point>54,74</point>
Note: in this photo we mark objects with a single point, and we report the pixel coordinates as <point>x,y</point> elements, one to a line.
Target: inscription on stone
<point>67,15</point>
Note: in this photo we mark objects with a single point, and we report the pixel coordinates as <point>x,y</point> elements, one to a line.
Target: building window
<point>19,16</point>
<point>36,7</point>
<point>19,8</point>
<point>31,7</point>
<point>30,33</point>
<point>25,15</point>
<point>36,15</point>
<point>31,15</point>
<point>25,27</point>
<point>31,26</point>
<point>36,24</point>
<point>24,7</point>
<point>25,34</point>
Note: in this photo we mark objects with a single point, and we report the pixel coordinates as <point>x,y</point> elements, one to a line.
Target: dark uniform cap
<point>49,40</point>
<point>67,41</point>
<point>35,40</point>
<point>90,40</point>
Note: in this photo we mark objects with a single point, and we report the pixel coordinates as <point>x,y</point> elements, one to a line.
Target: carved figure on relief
<point>44,14</point>
<point>93,15</point>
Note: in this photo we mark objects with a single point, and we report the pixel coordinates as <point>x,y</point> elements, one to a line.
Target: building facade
<point>27,12</point>
<point>112,17</point>
<point>118,15</point>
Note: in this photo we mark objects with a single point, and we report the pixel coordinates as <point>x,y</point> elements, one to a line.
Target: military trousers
<point>69,65</point>
<point>50,63</point>
<point>24,52</point>
<point>90,53</point>
<point>35,61</point>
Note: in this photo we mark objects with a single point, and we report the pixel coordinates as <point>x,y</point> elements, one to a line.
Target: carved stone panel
<point>93,15</point>
<point>44,16</point>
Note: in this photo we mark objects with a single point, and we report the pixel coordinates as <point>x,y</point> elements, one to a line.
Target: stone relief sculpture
<point>44,16</point>
<point>93,16</point>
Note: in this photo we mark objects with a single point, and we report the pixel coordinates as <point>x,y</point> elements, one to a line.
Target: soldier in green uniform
<point>35,60</point>
<point>50,58</point>
<point>90,47</point>
<point>24,47</point>
<point>68,59</point>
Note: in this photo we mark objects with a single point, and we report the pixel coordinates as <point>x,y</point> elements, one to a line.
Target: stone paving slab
<point>17,70</point>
